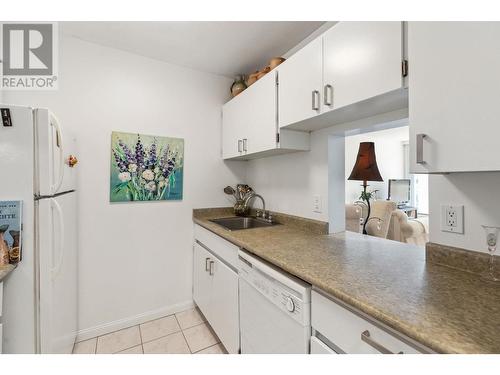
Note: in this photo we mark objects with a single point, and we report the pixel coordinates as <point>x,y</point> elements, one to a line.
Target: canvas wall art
<point>146,168</point>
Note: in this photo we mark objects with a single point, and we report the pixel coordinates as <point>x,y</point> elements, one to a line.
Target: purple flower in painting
<point>128,153</point>
<point>121,164</point>
<point>152,155</point>
<point>139,153</point>
<point>167,164</point>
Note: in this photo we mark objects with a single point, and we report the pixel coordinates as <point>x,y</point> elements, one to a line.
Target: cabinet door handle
<point>240,142</point>
<point>206,263</point>
<point>420,148</point>
<point>328,89</point>
<point>245,141</point>
<point>315,100</point>
<point>365,336</point>
<point>211,267</point>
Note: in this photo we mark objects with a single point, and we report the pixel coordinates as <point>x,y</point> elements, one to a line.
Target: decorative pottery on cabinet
<point>238,85</point>
<point>146,168</point>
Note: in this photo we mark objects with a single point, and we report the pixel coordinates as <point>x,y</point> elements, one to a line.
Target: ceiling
<point>224,48</point>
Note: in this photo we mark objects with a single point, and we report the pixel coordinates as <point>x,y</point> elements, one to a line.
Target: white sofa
<point>395,223</point>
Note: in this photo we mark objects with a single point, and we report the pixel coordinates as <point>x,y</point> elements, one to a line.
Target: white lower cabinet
<point>215,291</point>
<point>319,347</point>
<point>224,310</point>
<point>349,332</point>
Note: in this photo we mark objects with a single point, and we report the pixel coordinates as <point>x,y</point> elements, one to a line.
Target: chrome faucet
<point>264,213</point>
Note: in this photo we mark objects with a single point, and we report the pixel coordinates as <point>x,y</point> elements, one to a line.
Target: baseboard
<point>116,325</point>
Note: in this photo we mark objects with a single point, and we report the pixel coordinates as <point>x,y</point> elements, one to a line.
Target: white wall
<point>390,159</point>
<point>478,192</point>
<point>288,182</point>
<point>136,258</point>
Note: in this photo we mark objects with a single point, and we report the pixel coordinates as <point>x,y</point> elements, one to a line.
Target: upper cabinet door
<point>261,115</point>
<point>234,127</point>
<point>300,83</point>
<point>453,96</point>
<point>361,60</point>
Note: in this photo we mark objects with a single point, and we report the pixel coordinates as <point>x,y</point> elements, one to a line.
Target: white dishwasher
<point>275,309</point>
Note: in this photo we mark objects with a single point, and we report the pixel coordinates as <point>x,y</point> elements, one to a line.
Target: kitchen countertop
<point>447,310</point>
<point>5,270</point>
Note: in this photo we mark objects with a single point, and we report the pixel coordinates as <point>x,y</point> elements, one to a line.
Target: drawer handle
<point>240,142</point>
<point>206,263</point>
<point>211,268</point>
<point>365,336</point>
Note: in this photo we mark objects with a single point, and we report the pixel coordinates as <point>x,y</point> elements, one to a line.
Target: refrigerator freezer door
<point>55,145</point>
<point>58,273</point>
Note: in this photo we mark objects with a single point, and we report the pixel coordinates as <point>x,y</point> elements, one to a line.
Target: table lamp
<point>366,169</point>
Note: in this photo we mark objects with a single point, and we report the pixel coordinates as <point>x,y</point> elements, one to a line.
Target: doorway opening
<point>399,204</point>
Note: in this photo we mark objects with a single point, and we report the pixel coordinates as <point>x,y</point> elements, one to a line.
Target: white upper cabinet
<point>234,126</point>
<point>261,102</point>
<point>250,123</point>
<point>360,60</point>
<point>300,83</point>
<point>454,83</point>
<point>352,71</point>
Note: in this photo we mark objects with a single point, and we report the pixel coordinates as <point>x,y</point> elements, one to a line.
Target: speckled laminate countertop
<point>447,310</point>
<point>5,270</point>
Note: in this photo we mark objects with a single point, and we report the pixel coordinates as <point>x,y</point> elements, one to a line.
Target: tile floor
<point>182,333</point>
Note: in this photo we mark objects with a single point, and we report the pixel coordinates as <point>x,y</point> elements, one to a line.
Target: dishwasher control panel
<point>292,299</point>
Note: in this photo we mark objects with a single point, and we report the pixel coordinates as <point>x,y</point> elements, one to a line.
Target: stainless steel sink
<point>239,223</point>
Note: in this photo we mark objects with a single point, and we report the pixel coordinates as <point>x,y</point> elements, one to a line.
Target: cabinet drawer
<point>219,246</point>
<point>319,347</point>
<point>350,332</point>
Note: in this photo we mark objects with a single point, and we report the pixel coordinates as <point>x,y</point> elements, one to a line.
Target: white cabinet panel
<point>234,125</point>
<point>319,347</point>
<point>300,83</point>
<point>453,95</point>
<point>261,115</point>
<point>351,333</point>
<point>250,124</point>
<point>218,245</point>
<point>224,306</point>
<point>215,291</point>
<point>360,60</point>
<point>202,282</point>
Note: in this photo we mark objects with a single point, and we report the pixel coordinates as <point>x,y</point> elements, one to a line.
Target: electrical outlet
<point>317,203</point>
<point>452,218</point>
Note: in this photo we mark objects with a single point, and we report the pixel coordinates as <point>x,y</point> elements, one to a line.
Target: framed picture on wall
<point>146,168</point>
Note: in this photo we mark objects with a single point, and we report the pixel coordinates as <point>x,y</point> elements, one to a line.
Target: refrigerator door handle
<point>59,143</point>
<point>55,270</point>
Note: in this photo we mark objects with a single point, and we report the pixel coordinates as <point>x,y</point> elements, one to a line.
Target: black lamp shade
<point>366,168</point>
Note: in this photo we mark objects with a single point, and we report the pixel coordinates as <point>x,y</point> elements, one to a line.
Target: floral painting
<point>146,168</point>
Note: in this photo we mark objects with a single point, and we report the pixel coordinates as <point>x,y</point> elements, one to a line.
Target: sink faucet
<point>264,213</point>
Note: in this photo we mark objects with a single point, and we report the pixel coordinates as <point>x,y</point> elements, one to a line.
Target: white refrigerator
<point>41,295</point>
